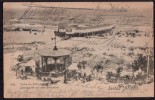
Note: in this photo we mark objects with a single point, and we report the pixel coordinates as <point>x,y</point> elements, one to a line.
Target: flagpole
<point>55,47</point>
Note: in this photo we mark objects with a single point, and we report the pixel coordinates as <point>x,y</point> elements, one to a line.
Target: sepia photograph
<point>78,49</point>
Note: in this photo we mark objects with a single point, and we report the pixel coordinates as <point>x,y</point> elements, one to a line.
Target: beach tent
<point>29,65</point>
<point>73,66</point>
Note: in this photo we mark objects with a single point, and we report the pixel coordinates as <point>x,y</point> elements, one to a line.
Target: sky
<point>104,5</point>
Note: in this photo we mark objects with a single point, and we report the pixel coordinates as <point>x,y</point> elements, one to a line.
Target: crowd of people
<point>121,73</point>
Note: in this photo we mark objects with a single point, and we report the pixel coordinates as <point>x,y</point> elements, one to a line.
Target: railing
<point>93,29</point>
<point>98,26</point>
<point>89,29</point>
<point>52,74</point>
<point>44,73</point>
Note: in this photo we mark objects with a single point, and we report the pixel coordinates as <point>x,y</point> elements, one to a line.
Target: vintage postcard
<point>78,49</point>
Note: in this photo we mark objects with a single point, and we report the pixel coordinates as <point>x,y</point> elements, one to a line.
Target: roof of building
<point>49,52</point>
<point>54,53</point>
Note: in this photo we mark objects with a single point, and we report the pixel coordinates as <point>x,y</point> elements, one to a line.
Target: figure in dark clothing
<point>65,76</point>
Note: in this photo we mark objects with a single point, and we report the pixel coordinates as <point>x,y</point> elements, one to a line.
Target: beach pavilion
<point>54,62</point>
